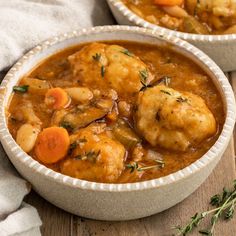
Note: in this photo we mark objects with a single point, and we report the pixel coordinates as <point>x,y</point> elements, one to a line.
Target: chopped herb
<point>143,76</point>
<point>66,125</point>
<point>21,89</point>
<point>97,57</point>
<point>72,148</point>
<point>103,71</point>
<point>166,92</point>
<point>82,140</point>
<point>127,52</point>
<point>74,145</point>
<point>181,99</point>
<point>166,80</point>
<point>90,156</point>
<point>224,208</point>
<point>143,79</point>
<point>134,166</point>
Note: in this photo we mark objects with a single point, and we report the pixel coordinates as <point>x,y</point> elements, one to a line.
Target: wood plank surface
<point>59,223</point>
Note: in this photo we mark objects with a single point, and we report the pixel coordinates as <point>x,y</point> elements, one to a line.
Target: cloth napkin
<point>24,24</point>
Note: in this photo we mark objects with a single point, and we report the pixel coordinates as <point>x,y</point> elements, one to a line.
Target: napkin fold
<point>24,24</point>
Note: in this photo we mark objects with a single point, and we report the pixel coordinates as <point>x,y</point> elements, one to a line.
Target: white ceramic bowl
<point>114,201</point>
<point>221,48</point>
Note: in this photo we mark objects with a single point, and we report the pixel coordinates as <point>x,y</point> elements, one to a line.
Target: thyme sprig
<point>224,208</point>
<point>135,166</point>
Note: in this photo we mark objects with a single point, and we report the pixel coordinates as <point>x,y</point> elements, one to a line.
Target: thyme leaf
<point>103,71</point>
<point>166,80</point>
<point>97,57</point>
<point>127,52</point>
<point>75,144</point>
<point>166,92</point>
<point>21,89</point>
<point>66,125</point>
<point>143,79</point>
<point>181,99</point>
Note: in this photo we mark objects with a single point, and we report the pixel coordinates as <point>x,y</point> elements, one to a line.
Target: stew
<point>116,112</point>
<point>190,16</point>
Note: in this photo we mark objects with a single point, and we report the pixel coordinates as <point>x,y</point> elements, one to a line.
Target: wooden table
<point>60,223</point>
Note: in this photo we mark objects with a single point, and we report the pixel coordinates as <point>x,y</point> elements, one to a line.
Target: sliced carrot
<point>168,2</point>
<point>57,98</point>
<point>52,145</point>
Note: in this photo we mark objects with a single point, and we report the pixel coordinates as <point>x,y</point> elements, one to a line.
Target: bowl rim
<point>137,20</point>
<point>12,147</point>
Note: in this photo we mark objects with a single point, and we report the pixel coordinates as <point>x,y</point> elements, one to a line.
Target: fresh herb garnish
<point>166,92</point>
<point>103,71</point>
<point>135,166</point>
<point>181,99</point>
<point>66,125</point>
<point>224,208</point>
<point>90,156</point>
<point>143,79</point>
<point>21,89</point>
<point>127,52</point>
<point>132,167</point>
<point>75,144</point>
<point>97,57</point>
<point>166,80</point>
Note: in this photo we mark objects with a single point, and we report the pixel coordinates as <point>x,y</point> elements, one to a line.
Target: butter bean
<point>26,137</point>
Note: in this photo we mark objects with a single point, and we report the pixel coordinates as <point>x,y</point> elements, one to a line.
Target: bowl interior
<point>50,47</point>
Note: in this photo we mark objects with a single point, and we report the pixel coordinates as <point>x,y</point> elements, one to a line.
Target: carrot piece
<point>57,98</point>
<point>52,145</point>
<point>168,2</point>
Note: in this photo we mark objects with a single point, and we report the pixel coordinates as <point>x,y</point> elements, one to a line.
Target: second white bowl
<point>221,48</point>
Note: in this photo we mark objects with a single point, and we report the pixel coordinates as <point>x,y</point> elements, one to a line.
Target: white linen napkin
<point>24,24</point>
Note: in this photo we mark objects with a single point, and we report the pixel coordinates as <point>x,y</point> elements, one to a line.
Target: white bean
<point>26,137</point>
<point>175,11</point>
<point>80,94</point>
